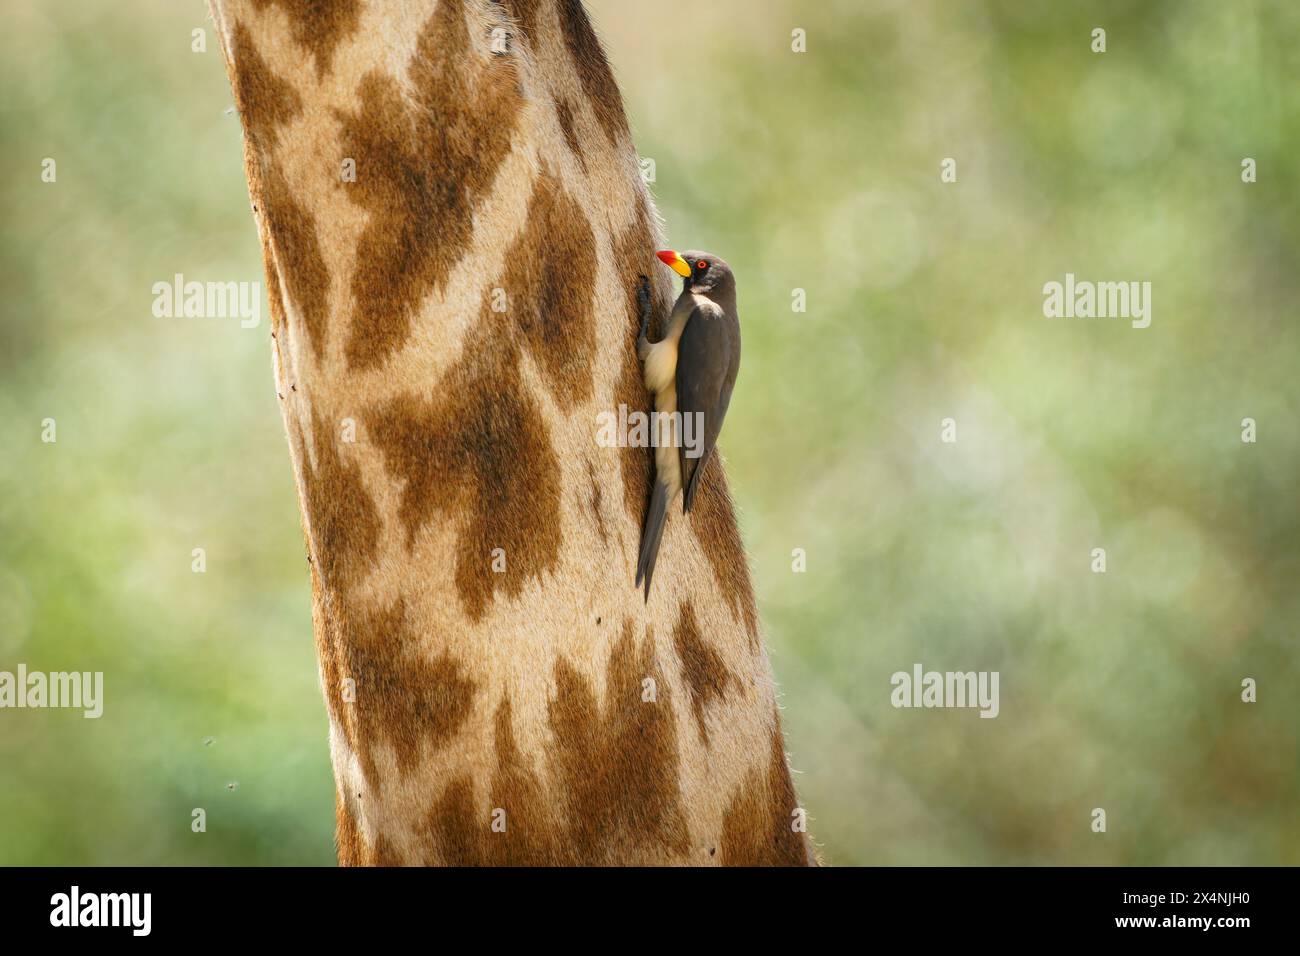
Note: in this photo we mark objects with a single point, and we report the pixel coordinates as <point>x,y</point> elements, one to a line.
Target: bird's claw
<point>644,301</point>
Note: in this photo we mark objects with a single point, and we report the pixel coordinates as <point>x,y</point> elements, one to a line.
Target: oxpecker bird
<point>691,372</point>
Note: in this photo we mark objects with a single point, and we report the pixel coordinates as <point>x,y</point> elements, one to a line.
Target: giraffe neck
<point>453,223</point>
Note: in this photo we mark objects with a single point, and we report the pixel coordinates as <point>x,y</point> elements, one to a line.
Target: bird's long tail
<point>655,520</point>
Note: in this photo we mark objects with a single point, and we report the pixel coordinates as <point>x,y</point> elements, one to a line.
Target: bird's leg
<point>643,300</point>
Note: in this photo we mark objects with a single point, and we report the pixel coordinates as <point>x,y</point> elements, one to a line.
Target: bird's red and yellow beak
<point>673,261</point>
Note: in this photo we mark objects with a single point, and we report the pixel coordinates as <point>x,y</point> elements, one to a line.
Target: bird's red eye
<point>702,265</point>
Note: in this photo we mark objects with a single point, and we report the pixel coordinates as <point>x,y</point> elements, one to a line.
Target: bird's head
<point>701,272</point>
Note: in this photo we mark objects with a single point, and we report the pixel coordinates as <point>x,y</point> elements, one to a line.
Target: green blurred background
<point>817,171</point>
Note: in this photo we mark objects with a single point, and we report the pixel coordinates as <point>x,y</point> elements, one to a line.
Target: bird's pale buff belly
<point>661,380</point>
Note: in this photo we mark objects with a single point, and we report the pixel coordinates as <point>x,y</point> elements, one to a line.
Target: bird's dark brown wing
<point>708,359</point>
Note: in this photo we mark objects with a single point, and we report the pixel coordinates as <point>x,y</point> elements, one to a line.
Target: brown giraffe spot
<point>293,231</point>
<point>422,169</point>
<point>713,519</point>
<point>460,831</point>
<point>634,463</point>
<point>549,291</point>
<point>345,524</point>
<point>596,503</point>
<point>479,453</point>
<point>530,838</point>
<point>318,25</point>
<point>455,827</point>
<point>706,673</point>
<point>756,828</point>
<point>342,516</point>
<point>265,104</point>
<point>404,699</point>
<point>618,763</point>
<point>593,70</point>
<point>564,113</point>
